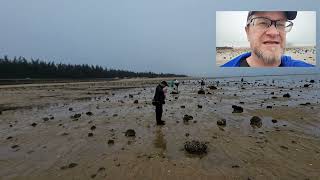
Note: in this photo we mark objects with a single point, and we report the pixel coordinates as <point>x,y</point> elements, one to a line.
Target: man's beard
<point>266,58</point>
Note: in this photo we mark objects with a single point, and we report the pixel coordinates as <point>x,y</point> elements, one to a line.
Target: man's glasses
<point>263,23</point>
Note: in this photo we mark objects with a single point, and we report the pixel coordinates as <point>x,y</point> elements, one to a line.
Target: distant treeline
<point>23,68</point>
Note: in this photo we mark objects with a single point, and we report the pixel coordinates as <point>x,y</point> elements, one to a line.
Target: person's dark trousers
<point>158,113</point>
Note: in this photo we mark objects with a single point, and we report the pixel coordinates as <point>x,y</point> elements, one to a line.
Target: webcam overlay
<point>266,38</point>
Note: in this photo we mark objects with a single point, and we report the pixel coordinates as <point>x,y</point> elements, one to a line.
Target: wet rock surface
<point>15,146</point>
<point>201,91</point>
<point>287,95</point>
<point>256,121</point>
<point>75,116</point>
<point>212,87</point>
<point>222,122</point>
<point>130,133</point>
<point>187,118</point>
<point>89,113</point>
<point>237,109</point>
<point>195,147</point>
<point>111,141</point>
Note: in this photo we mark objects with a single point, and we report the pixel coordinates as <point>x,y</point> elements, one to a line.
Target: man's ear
<point>247,32</point>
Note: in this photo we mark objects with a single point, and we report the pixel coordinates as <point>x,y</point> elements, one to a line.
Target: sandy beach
<point>306,54</point>
<point>78,130</point>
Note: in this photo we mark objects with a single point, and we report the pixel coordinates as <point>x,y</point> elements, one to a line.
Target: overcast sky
<point>170,36</point>
<point>230,29</point>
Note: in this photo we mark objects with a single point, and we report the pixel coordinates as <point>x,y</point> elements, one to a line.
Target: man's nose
<point>272,30</point>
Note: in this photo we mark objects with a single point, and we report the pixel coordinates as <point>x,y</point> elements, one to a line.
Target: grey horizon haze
<point>169,36</point>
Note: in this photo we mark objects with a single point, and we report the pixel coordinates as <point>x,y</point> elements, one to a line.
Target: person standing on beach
<point>202,83</point>
<point>158,101</point>
<point>266,32</point>
<point>176,83</point>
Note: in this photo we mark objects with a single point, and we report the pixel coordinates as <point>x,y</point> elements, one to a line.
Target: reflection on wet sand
<point>160,142</point>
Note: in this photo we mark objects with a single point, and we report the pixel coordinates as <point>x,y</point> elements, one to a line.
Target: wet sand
<point>306,54</point>
<point>40,139</point>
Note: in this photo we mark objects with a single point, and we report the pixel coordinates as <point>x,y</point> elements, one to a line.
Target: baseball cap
<point>291,15</point>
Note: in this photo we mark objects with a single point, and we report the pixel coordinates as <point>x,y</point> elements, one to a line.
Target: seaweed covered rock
<point>256,121</point>
<point>130,133</point>
<point>201,91</point>
<point>212,87</point>
<point>221,122</point>
<point>195,147</point>
<point>187,118</point>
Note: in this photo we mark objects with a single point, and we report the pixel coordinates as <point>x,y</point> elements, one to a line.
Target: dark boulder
<point>89,113</point>
<point>130,133</point>
<point>14,146</point>
<point>237,109</point>
<point>110,141</point>
<point>201,91</point>
<point>287,95</point>
<point>305,104</point>
<point>256,121</point>
<point>76,116</point>
<point>187,118</point>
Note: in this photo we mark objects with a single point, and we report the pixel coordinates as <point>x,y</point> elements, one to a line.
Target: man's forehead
<point>273,15</point>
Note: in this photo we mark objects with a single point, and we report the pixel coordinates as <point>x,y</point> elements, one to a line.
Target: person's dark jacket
<point>159,97</point>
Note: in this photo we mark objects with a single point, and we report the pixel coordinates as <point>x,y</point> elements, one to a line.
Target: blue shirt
<point>286,61</point>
